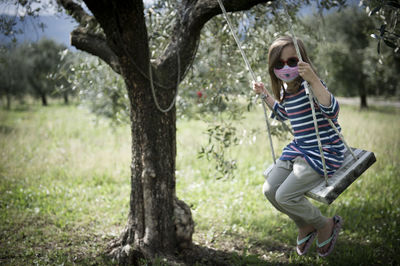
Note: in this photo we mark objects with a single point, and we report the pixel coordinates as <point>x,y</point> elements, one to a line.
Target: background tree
<point>346,56</point>
<point>387,13</point>
<point>13,73</point>
<point>99,88</point>
<point>353,26</point>
<point>44,57</point>
<point>61,76</point>
<point>39,69</point>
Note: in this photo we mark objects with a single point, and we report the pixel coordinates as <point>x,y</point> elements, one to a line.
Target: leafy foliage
<point>35,69</point>
<point>103,93</point>
<point>346,57</point>
<point>220,139</point>
<point>387,12</point>
<point>63,73</point>
<point>13,74</point>
<point>44,57</point>
<point>25,12</point>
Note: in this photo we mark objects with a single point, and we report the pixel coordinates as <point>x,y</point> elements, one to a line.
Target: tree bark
<point>66,99</point>
<point>44,99</point>
<point>363,93</point>
<point>363,101</point>
<point>8,99</point>
<point>152,225</point>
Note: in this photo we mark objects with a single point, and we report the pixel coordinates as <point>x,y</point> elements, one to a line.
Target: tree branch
<point>95,45</point>
<point>193,16</point>
<point>83,37</point>
<point>205,10</point>
<point>78,13</point>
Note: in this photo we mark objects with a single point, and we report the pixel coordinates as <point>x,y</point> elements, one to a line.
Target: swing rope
<point>309,93</point>
<point>311,98</point>
<point>153,92</point>
<point>149,77</point>
<point>176,89</point>
<point>263,96</point>
<point>252,75</point>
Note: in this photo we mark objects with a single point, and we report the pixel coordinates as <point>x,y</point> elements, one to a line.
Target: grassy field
<point>64,191</point>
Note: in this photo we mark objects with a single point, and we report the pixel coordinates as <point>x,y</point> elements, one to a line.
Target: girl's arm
<point>327,103</point>
<point>320,92</point>
<point>258,87</point>
<point>280,111</point>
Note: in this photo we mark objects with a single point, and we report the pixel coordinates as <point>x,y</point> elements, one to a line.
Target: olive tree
<point>116,32</point>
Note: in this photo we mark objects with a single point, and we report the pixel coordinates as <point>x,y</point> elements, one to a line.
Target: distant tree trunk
<point>44,99</point>
<point>363,94</point>
<point>8,99</point>
<point>363,102</point>
<point>66,100</point>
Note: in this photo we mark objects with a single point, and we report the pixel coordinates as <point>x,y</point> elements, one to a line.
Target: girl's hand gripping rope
<point>258,88</point>
<point>307,73</point>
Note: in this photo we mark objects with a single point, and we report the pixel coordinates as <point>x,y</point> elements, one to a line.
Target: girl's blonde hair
<point>274,55</point>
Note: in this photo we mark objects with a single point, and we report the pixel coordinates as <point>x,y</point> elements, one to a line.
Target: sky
<point>11,9</point>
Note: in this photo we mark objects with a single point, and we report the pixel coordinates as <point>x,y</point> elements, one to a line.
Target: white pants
<point>285,188</point>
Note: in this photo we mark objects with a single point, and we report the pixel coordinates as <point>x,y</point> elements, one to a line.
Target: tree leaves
<point>221,137</point>
<point>394,4</point>
<point>390,43</point>
<point>374,11</point>
<point>388,15</point>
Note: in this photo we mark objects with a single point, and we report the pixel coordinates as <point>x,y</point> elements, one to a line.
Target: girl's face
<point>286,68</point>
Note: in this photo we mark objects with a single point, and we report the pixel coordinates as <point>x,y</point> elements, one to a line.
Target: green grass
<point>65,184</point>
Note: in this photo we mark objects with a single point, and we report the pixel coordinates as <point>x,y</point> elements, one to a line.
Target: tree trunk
<point>158,222</point>
<point>44,99</point>
<point>363,101</point>
<point>8,99</point>
<point>363,94</point>
<point>66,100</point>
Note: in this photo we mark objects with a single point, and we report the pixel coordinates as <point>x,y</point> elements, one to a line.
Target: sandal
<point>337,225</point>
<point>308,240</point>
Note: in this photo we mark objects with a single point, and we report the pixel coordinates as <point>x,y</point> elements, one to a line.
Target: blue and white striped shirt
<point>296,107</point>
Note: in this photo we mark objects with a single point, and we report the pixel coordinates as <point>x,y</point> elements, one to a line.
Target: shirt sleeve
<point>279,111</point>
<point>331,111</point>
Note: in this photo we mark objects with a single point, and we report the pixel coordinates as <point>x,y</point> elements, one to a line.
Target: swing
<point>356,161</point>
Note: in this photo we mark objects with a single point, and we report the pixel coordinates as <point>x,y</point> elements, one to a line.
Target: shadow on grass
<point>34,239</point>
<point>201,255</point>
<point>30,239</point>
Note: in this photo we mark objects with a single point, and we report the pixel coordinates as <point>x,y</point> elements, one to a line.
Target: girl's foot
<point>327,235</point>
<point>304,232</point>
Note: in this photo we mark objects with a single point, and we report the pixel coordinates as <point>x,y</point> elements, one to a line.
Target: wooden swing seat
<point>343,177</point>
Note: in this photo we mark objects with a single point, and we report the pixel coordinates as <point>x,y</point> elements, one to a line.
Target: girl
<point>299,168</point>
